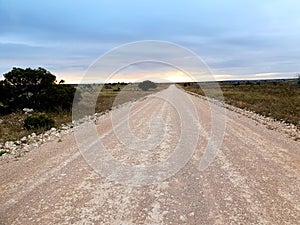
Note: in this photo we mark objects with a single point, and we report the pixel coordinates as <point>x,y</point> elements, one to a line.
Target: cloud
<point>233,37</point>
<point>265,74</point>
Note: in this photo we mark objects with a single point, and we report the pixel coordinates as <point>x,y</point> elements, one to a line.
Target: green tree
<point>57,98</point>
<point>30,78</point>
<point>5,96</point>
<point>26,85</point>
<point>34,88</point>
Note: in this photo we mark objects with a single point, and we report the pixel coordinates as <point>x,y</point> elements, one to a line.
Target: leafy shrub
<point>146,85</point>
<point>39,122</point>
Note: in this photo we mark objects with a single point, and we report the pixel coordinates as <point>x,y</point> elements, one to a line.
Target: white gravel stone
<point>64,127</point>
<point>23,139</point>
<point>27,110</point>
<point>9,144</point>
<point>192,214</point>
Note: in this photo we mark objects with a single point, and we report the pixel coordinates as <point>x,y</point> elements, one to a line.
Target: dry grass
<point>11,127</point>
<point>279,100</point>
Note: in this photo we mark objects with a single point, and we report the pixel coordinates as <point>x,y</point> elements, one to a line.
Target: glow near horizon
<point>170,77</point>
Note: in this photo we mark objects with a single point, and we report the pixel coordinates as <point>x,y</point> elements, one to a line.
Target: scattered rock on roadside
<point>14,149</point>
<point>281,126</point>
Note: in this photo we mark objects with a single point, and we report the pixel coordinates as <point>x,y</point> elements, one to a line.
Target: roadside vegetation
<point>51,101</point>
<point>110,95</point>
<point>277,99</point>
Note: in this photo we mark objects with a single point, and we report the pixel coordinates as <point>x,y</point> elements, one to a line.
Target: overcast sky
<point>236,39</point>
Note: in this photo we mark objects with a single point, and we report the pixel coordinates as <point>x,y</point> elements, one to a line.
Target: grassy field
<point>279,100</point>
<point>11,126</point>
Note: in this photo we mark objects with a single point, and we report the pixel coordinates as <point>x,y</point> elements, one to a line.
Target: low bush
<point>38,122</point>
<point>146,85</point>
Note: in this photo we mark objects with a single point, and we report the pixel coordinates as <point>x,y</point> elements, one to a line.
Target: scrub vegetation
<point>52,101</point>
<point>279,99</point>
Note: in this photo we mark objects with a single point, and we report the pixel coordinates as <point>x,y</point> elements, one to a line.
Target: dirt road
<point>253,179</point>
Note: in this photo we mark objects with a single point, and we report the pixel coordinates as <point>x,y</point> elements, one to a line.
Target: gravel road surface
<point>254,178</point>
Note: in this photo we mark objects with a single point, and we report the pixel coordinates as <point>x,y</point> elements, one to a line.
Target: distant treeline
<point>239,82</point>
